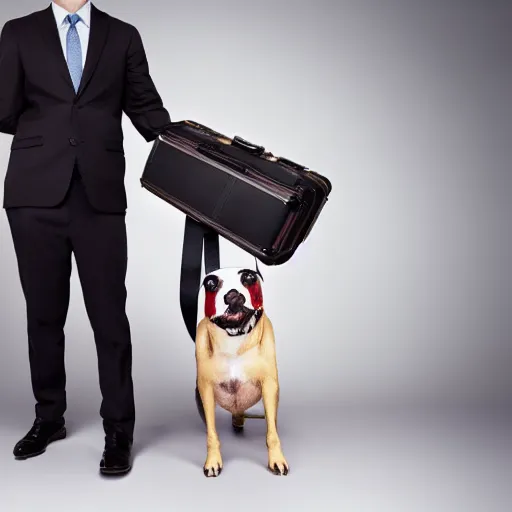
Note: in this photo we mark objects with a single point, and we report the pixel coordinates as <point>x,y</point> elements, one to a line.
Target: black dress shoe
<point>116,458</point>
<point>38,438</point>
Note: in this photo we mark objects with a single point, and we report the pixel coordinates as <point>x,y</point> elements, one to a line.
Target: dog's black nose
<point>235,300</point>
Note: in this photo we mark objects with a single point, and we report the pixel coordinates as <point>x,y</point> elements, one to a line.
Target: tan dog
<point>236,361</point>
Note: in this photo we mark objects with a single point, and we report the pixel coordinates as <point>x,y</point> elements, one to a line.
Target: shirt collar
<point>84,12</point>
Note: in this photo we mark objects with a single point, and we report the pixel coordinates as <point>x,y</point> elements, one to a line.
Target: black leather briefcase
<point>265,205</point>
<point>229,187</point>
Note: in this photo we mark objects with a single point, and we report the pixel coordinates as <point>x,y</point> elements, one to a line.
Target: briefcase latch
<point>247,146</point>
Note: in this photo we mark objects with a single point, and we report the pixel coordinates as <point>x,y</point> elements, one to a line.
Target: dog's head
<point>233,299</point>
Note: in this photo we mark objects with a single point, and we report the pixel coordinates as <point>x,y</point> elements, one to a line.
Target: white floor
<point>340,461</point>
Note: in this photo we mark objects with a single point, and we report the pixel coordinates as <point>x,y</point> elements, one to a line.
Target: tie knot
<point>73,19</point>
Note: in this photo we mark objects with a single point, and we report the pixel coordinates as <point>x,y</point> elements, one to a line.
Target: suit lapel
<point>50,33</point>
<point>97,39</point>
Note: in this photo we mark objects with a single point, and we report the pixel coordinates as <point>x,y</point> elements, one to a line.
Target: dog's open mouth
<point>238,322</point>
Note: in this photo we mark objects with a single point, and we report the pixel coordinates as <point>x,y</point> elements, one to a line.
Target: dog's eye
<point>248,278</point>
<point>211,283</point>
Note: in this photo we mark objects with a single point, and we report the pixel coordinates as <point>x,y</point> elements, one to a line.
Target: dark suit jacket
<point>53,126</point>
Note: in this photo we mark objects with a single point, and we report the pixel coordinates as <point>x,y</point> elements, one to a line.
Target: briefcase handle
<point>247,146</point>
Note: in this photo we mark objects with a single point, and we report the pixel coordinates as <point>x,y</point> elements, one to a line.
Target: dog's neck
<point>231,345</point>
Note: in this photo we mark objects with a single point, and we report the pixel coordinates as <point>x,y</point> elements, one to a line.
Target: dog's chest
<point>235,391</point>
<point>231,365</point>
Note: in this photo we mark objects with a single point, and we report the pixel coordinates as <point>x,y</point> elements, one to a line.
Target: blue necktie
<point>74,50</point>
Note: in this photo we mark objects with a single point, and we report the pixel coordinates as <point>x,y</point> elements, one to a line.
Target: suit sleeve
<point>142,102</point>
<point>11,81</point>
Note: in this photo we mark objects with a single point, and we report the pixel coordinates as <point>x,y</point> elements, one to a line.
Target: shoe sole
<point>115,471</point>
<point>61,434</point>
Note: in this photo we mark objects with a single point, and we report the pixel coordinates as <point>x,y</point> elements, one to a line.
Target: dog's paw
<point>277,464</point>
<point>213,465</point>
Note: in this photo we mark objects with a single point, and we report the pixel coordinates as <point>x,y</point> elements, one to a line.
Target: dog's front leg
<point>270,394</point>
<point>213,464</point>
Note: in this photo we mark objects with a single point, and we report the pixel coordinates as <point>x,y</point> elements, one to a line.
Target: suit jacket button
<point>72,142</point>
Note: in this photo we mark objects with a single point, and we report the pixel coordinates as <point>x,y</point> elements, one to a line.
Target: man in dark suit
<point>67,74</point>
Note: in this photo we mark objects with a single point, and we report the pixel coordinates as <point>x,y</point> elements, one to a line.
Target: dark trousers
<point>44,241</point>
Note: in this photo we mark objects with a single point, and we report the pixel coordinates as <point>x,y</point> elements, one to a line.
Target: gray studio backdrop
<point>402,293</point>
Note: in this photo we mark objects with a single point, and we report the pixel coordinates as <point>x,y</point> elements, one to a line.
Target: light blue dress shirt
<point>83,26</point>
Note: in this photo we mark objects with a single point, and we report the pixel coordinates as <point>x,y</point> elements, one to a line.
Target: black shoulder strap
<point>196,235</point>
<point>191,265</point>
